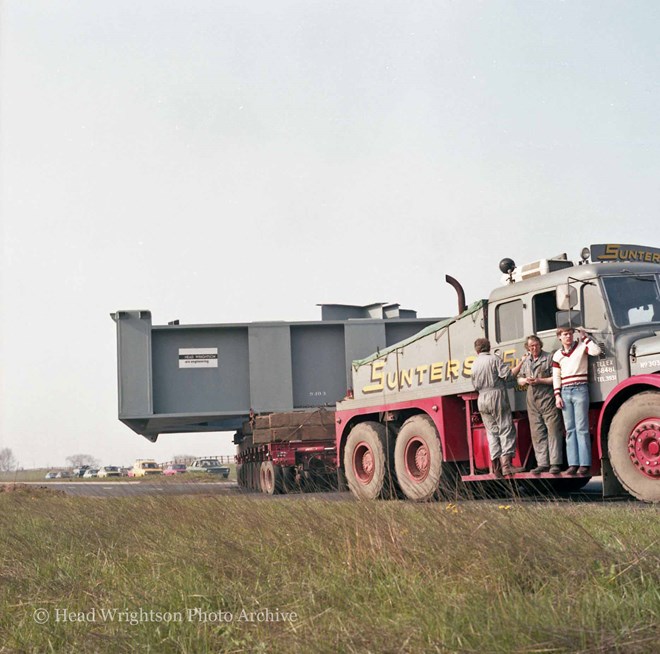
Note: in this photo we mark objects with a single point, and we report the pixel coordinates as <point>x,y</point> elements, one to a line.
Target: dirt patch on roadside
<point>29,489</point>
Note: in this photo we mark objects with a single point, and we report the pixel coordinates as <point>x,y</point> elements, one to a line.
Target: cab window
<point>544,306</point>
<point>593,309</point>
<point>633,299</point>
<point>509,321</point>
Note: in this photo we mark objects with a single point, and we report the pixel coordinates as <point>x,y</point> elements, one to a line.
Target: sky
<point>224,161</point>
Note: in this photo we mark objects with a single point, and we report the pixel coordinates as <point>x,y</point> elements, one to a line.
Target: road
<point>591,493</point>
<point>137,488</point>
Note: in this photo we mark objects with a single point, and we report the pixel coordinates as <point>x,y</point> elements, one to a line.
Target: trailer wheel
<point>271,478</point>
<point>367,461</point>
<point>634,445</point>
<point>418,461</point>
<point>251,478</point>
<point>256,476</point>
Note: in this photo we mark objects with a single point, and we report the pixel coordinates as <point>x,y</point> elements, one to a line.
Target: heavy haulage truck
<point>413,425</point>
<point>409,424</point>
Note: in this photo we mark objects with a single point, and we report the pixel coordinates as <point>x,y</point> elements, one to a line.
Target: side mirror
<point>566,296</point>
<point>570,319</point>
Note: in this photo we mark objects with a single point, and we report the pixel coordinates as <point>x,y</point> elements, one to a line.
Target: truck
<point>408,424</point>
<point>412,425</point>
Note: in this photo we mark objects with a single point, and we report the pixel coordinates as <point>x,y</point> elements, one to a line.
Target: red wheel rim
<point>363,463</point>
<point>644,447</point>
<point>418,459</point>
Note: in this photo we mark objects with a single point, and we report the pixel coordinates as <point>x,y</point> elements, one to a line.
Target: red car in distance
<point>174,469</point>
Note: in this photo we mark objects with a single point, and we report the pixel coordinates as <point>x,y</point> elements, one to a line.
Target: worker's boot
<point>507,468</point>
<point>497,468</point>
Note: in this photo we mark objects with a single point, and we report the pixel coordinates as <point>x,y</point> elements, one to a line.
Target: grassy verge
<point>190,572</point>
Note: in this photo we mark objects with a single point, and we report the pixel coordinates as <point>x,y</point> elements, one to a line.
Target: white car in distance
<point>109,471</point>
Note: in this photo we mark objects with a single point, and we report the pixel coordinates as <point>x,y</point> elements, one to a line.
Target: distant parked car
<point>109,471</point>
<point>63,474</point>
<point>80,471</point>
<point>51,475</point>
<point>144,468</point>
<point>174,469</point>
<point>90,473</point>
<point>209,466</point>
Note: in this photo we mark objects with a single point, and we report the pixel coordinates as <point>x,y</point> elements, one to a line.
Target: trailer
<point>412,426</point>
<point>275,384</point>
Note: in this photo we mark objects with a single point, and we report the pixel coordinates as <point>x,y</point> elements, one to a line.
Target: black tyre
<point>633,445</point>
<point>288,480</point>
<point>367,461</point>
<point>271,478</point>
<point>256,476</point>
<point>420,470</point>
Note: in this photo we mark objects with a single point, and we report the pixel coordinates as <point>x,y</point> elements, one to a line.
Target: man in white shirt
<point>570,376</point>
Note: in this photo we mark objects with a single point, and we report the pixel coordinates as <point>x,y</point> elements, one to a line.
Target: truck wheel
<point>633,445</point>
<point>367,461</point>
<point>239,475</point>
<point>271,478</point>
<point>418,459</point>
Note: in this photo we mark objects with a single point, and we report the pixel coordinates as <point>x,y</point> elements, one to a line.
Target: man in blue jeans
<point>570,377</point>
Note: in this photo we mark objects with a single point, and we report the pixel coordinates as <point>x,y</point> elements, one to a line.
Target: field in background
<point>376,577</point>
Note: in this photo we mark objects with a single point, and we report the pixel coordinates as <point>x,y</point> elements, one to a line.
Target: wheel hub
<point>363,463</point>
<point>644,447</point>
<point>418,460</point>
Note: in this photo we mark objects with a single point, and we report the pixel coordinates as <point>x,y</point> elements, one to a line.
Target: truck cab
<point>617,303</point>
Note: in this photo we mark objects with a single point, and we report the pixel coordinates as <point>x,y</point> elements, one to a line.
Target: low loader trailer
<point>408,425</point>
<point>274,383</point>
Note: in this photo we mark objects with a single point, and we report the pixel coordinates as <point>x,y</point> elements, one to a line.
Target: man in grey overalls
<point>490,376</point>
<point>545,421</point>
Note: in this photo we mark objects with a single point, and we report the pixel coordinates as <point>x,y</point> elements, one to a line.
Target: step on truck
<point>411,426</point>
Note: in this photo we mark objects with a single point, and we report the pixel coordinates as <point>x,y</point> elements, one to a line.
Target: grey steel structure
<point>189,378</point>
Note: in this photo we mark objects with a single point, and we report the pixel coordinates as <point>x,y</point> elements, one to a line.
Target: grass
<point>360,577</point>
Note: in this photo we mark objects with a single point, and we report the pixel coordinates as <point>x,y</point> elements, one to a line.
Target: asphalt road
<point>137,488</point>
<point>591,493</point>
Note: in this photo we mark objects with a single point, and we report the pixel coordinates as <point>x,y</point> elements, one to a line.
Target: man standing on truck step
<point>490,376</point>
<point>546,425</point>
<point>570,372</point>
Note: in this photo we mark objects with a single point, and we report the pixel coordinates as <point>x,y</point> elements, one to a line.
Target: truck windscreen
<point>633,299</point>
